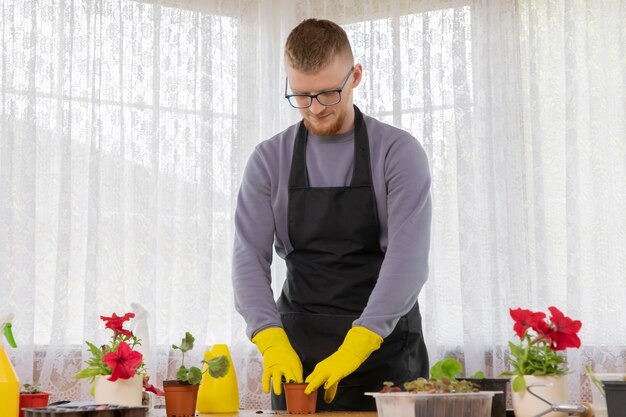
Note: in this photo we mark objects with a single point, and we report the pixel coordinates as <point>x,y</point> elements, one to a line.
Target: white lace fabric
<point>126,125</point>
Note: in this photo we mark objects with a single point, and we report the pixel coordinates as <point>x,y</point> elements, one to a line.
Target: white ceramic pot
<point>121,392</point>
<point>527,405</point>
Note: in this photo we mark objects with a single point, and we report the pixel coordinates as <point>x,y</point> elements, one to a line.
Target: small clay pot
<point>39,400</point>
<point>297,401</point>
<point>180,398</point>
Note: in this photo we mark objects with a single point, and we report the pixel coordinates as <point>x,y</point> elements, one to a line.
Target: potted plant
<point>116,369</point>
<point>536,358</point>
<point>297,401</point>
<point>181,393</point>
<point>32,397</point>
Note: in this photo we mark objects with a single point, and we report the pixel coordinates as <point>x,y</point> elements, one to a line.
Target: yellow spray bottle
<point>9,384</point>
<point>218,392</point>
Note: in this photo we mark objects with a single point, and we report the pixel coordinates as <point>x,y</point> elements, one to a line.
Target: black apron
<point>331,273</point>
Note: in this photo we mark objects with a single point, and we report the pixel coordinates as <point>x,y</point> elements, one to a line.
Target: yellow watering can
<point>218,395</point>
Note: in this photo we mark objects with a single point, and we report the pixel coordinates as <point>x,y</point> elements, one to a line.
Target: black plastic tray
<point>96,410</point>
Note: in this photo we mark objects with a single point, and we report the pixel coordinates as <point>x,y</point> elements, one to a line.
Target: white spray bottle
<point>139,327</point>
<point>9,384</point>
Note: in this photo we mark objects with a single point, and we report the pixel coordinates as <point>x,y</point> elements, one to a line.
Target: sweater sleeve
<point>405,267</point>
<point>252,254</point>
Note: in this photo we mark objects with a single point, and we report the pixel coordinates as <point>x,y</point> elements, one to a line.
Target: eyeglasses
<point>325,98</point>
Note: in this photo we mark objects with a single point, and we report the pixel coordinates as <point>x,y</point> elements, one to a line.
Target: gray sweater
<point>401,180</point>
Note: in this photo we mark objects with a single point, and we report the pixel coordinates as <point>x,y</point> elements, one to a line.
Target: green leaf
<point>218,367</point>
<point>194,376</point>
<point>89,373</point>
<point>95,351</point>
<point>518,384</point>
<point>181,375</point>
<point>478,375</point>
<point>186,344</point>
<point>446,368</point>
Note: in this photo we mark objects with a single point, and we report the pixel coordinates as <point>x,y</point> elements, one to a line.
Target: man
<point>345,199</point>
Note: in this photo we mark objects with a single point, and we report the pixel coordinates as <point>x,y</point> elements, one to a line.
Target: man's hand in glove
<point>355,349</point>
<point>279,358</point>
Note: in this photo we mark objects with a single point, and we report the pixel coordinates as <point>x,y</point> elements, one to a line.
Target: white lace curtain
<point>125,127</point>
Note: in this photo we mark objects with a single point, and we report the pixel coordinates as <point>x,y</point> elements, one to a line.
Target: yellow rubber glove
<point>279,358</point>
<point>355,349</point>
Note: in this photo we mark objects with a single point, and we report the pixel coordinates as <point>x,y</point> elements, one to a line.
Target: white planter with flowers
<point>537,362</point>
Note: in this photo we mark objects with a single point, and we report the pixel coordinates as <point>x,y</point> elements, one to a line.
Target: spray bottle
<point>9,384</point>
<point>218,395</point>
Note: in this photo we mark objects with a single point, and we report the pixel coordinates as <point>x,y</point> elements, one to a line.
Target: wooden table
<point>270,413</point>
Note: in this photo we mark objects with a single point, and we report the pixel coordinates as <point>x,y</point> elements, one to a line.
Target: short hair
<point>314,43</point>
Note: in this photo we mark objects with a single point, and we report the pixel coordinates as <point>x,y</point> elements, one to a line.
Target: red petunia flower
<point>151,388</point>
<point>525,319</point>
<point>116,323</point>
<point>563,333</point>
<point>123,362</point>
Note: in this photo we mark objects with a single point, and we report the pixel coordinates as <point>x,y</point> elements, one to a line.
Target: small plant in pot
<point>297,401</point>
<point>31,396</point>
<point>181,393</point>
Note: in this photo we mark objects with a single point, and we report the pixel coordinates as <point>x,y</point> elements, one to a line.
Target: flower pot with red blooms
<point>537,355</point>
<point>181,394</point>
<point>32,397</point>
<point>117,370</point>
<point>297,401</point>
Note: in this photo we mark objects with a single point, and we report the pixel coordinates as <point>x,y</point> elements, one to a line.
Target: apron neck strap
<point>361,175</point>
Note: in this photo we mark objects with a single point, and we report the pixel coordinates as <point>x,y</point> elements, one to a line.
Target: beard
<point>326,129</point>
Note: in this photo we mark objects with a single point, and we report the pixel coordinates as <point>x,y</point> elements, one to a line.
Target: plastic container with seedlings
<point>408,404</point>
<point>96,410</point>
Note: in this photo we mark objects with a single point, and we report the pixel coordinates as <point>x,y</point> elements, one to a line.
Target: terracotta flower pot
<point>39,400</point>
<point>180,398</point>
<point>297,401</point>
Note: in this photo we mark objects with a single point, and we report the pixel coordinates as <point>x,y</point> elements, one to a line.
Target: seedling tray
<point>407,404</point>
<point>96,410</point>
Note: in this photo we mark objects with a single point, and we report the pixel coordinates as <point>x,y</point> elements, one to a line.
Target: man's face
<point>327,120</point>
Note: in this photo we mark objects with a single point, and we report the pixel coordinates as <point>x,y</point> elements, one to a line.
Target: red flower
<point>563,333</point>
<point>116,323</point>
<point>151,388</point>
<point>123,362</point>
<point>525,319</point>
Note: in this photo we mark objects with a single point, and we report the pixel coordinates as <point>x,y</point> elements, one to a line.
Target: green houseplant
<point>540,343</point>
<point>181,393</point>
